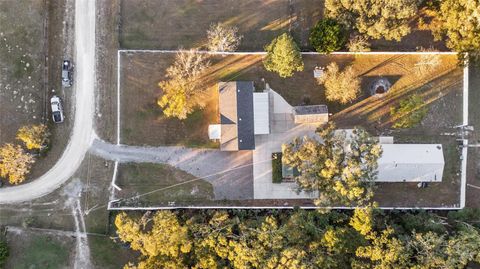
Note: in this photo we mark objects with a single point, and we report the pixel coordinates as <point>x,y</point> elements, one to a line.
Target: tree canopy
<point>34,136</point>
<point>460,22</point>
<point>388,19</point>
<point>340,86</point>
<point>15,163</point>
<point>340,166</point>
<point>223,38</point>
<point>283,56</point>
<point>366,238</point>
<point>327,36</point>
<point>183,90</point>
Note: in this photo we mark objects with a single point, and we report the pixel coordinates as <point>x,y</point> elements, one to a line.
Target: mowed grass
<point>143,122</point>
<point>170,24</point>
<point>158,184</point>
<point>107,254</point>
<point>39,252</point>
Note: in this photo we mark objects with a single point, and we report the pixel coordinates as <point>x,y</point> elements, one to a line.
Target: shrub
<point>409,113</point>
<point>283,56</point>
<point>340,86</point>
<point>277,167</point>
<point>327,36</point>
<point>358,44</point>
<point>427,63</point>
<point>3,251</point>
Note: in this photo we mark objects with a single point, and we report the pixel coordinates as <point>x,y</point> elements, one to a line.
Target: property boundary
<point>464,142</point>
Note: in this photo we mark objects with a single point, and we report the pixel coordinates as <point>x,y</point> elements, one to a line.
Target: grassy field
<point>183,23</point>
<point>21,62</point>
<point>107,254</point>
<point>156,178</point>
<point>36,251</point>
<point>143,121</point>
<point>149,24</point>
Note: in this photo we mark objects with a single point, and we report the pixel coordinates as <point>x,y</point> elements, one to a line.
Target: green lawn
<point>42,252</point>
<point>106,254</point>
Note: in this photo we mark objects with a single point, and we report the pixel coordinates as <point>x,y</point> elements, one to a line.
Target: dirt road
<point>83,134</point>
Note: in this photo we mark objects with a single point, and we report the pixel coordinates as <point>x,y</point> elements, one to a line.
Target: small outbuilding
<point>411,163</point>
<point>310,114</point>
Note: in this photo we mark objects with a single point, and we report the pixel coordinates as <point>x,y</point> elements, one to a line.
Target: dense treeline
<point>365,238</point>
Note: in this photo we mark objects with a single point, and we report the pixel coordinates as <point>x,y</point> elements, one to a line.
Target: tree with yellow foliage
<point>340,167</point>
<point>163,245</point>
<point>182,91</point>
<point>15,163</point>
<point>34,136</point>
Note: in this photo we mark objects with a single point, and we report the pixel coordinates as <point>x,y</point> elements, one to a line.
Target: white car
<point>57,110</point>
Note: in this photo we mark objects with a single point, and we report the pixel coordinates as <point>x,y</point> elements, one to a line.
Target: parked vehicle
<point>67,73</point>
<point>57,109</point>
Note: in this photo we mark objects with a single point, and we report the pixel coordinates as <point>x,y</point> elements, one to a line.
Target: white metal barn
<point>411,163</point>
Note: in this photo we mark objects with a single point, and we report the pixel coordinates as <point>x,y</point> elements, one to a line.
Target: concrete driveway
<point>283,130</point>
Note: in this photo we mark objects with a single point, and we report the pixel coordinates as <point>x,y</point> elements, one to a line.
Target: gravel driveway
<point>230,173</point>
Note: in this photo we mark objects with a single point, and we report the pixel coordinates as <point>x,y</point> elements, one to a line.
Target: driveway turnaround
<point>83,133</point>
<point>230,173</point>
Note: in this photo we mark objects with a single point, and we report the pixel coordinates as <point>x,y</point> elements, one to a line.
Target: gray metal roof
<point>236,115</point>
<point>307,110</point>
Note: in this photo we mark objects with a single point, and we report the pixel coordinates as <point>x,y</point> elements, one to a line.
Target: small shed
<point>310,114</point>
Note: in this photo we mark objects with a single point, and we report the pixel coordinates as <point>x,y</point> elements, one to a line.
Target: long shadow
<point>374,111</point>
